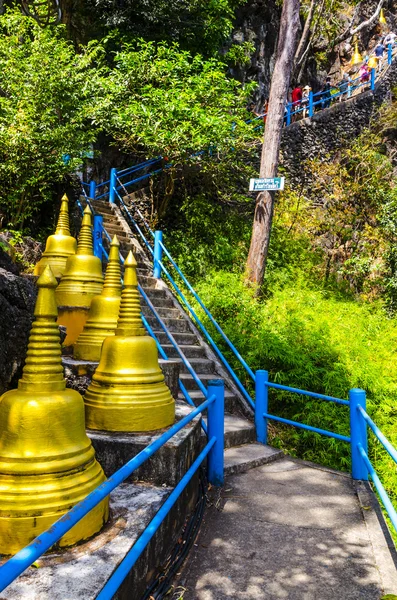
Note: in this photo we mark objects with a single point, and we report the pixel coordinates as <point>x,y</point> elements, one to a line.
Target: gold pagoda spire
<point>130,321</point>
<point>47,462</point>
<point>59,246</point>
<point>112,285</point>
<point>63,226</point>
<point>104,310</point>
<point>127,391</point>
<point>85,246</point>
<point>83,277</point>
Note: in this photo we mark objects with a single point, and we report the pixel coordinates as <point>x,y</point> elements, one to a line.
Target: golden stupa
<point>81,281</point>
<point>382,18</point>
<point>104,311</point>
<point>128,392</point>
<point>356,58</point>
<point>47,462</point>
<point>83,277</point>
<point>59,246</point>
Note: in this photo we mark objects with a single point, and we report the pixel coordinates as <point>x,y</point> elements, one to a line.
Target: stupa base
<point>73,318</point>
<point>83,571</point>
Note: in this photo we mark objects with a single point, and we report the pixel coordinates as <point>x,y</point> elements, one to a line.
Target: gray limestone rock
<point>17,298</point>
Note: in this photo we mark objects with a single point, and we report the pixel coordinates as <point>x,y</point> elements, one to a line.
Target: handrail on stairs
<point>213,451</point>
<point>156,251</point>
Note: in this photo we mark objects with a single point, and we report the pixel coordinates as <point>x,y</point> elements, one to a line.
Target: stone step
<point>163,312</point>
<point>102,210</point>
<point>158,303</point>
<point>147,282</point>
<point>173,325</point>
<point>199,365</point>
<point>238,431</point>
<point>112,224</point>
<point>107,213</point>
<point>189,382</point>
<point>241,459</point>
<point>181,338</point>
<point>118,230</point>
<point>188,351</point>
<point>231,402</point>
<point>154,294</point>
<point>145,272</point>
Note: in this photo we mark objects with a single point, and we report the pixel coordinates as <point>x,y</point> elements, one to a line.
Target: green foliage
<point>240,54</point>
<point>351,215</point>
<point>304,337</point>
<point>44,93</point>
<point>196,25</point>
<point>160,100</point>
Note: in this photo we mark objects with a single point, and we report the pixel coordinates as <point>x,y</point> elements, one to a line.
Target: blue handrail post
<point>373,77</point>
<point>288,114</point>
<point>92,189</point>
<point>216,427</point>
<point>158,253</point>
<point>358,434</point>
<point>112,186</point>
<point>98,228</point>
<point>311,107</point>
<point>261,405</point>
<point>389,54</point>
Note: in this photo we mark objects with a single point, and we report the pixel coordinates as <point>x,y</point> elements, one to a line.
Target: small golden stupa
<point>128,392</point>
<point>382,18</point>
<point>59,246</point>
<point>47,462</point>
<point>356,58</point>
<point>104,311</point>
<point>81,281</point>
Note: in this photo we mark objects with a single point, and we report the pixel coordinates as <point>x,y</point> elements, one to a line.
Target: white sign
<point>271,184</point>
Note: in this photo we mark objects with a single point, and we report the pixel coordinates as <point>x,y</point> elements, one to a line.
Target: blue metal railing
<point>358,440</point>
<point>213,451</point>
<point>157,251</point>
<point>323,99</point>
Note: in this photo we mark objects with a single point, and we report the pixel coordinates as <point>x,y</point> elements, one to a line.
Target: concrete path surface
<point>295,531</point>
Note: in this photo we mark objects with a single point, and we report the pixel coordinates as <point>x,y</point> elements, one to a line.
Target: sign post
<point>273,184</point>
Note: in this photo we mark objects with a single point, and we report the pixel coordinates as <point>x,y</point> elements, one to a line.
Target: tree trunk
<point>306,33</point>
<point>289,27</point>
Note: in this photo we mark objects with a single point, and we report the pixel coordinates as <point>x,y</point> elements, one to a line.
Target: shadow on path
<point>286,530</point>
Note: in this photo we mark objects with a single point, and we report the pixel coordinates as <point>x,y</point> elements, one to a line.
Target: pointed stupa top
<point>85,244</point>
<point>63,227</point>
<point>112,285</point>
<point>130,321</point>
<point>43,367</point>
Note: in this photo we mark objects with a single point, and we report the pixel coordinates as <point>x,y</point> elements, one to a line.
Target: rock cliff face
<point>333,128</point>
<point>17,298</point>
<point>258,22</point>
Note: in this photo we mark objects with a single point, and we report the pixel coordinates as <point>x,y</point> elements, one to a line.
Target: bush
<point>311,339</point>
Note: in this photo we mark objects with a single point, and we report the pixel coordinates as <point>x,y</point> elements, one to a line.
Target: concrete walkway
<point>291,530</point>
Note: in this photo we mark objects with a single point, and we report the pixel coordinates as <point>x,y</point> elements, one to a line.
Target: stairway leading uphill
<point>241,450</point>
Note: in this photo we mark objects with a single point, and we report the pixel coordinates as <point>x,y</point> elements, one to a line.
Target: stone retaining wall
<point>332,128</point>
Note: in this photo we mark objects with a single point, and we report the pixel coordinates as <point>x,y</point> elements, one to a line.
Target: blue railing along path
<point>358,440</point>
<point>213,451</point>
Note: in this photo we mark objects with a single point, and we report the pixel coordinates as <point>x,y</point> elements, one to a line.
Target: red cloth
<point>296,95</point>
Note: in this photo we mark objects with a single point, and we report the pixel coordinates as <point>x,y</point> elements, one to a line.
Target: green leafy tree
<point>159,100</point>
<point>197,25</point>
<point>45,91</point>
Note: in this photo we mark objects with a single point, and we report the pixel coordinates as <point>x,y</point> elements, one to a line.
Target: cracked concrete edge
<point>384,550</point>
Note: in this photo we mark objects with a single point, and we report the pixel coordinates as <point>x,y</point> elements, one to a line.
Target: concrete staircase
<point>241,450</point>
